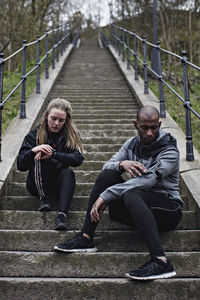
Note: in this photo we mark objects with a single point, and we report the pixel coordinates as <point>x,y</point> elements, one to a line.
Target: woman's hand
<point>43,151</point>
<point>97,210</point>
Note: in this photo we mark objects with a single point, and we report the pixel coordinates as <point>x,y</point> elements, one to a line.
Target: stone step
<point>103,105</point>
<point>78,80</point>
<point>34,220</point>
<point>30,203</point>
<point>102,109</point>
<point>81,176</point>
<point>107,133</point>
<point>104,140</point>
<point>16,188</point>
<point>108,116</point>
<point>97,94</point>
<point>96,85</point>
<point>80,97</point>
<point>105,112</point>
<point>87,97</point>
<point>84,88</point>
<point>88,148</point>
<point>111,127</point>
<point>83,187</point>
<point>109,265</point>
<point>105,121</point>
<point>79,203</point>
<point>106,288</point>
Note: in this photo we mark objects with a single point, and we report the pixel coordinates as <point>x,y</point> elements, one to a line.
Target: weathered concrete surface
<point>13,136</point>
<point>49,264</point>
<point>189,171</point>
<point>107,239</point>
<point>34,220</point>
<point>101,289</point>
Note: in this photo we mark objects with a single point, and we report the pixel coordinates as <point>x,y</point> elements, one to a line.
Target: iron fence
<point>59,39</point>
<point>120,40</point>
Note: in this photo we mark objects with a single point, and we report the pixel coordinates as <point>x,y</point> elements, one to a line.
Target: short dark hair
<point>148,111</point>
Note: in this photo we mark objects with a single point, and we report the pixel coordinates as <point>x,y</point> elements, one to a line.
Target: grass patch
<point>12,106</point>
<point>175,107</point>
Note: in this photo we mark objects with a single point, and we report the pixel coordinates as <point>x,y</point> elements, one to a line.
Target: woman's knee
<point>66,173</point>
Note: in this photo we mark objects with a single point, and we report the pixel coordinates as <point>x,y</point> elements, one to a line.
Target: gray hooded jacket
<point>161,159</point>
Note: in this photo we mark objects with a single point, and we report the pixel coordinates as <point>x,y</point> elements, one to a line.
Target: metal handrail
<point>63,38</point>
<point>121,44</point>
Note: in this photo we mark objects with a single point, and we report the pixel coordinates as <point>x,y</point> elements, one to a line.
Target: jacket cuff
<point>107,196</point>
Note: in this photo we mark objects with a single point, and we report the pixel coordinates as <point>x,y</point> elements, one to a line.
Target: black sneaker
<point>60,222</point>
<point>153,269</point>
<point>79,243</point>
<point>44,205</point>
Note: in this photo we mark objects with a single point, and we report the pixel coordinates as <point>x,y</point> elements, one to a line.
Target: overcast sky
<point>94,8</point>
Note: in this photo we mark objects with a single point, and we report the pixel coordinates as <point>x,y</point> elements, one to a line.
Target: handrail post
<point>64,37</point>
<point>146,90</point>
<point>123,44</point>
<point>57,50</point>
<point>23,92</point>
<point>47,57</point>
<point>112,35</point>
<point>161,90</point>
<point>187,104</point>
<point>53,50</point>
<point>128,51</point>
<point>110,31</point>
<point>38,67</point>
<point>115,37</point>
<point>1,95</point>
<point>61,39</point>
<point>135,56</point>
<point>69,35</point>
<point>119,43</point>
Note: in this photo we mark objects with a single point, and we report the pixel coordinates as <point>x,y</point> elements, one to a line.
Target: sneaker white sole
<point>56,248</point>
<point>161,276</point>
<point>44,208</point>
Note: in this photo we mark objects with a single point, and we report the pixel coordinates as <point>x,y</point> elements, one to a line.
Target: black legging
<point>48,181</point>
<point>145,210</point>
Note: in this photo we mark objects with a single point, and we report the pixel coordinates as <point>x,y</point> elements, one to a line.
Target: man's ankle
<point>86,236</point>
<point>163,258</point>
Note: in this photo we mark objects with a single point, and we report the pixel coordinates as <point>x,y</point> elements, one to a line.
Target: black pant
<point>146,211</point>
<point>49,181</point>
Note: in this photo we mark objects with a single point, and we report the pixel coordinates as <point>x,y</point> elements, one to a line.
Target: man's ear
<point>159,123</point>
<point>135,124</point>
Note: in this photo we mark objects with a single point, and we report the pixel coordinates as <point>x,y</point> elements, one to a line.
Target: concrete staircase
<point>103,109</point>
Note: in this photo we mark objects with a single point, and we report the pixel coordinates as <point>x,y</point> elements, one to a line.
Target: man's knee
<point>109,177</point>
<point>132,196</point>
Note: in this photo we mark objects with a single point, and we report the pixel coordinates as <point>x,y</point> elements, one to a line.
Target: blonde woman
<point>47,152</point>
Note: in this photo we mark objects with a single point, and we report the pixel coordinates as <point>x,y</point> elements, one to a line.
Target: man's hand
<point>43,151</point>
<point>132,167</point>
<point>97,210</point>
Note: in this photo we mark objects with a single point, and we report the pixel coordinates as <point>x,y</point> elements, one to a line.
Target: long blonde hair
<point>71,135</point>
